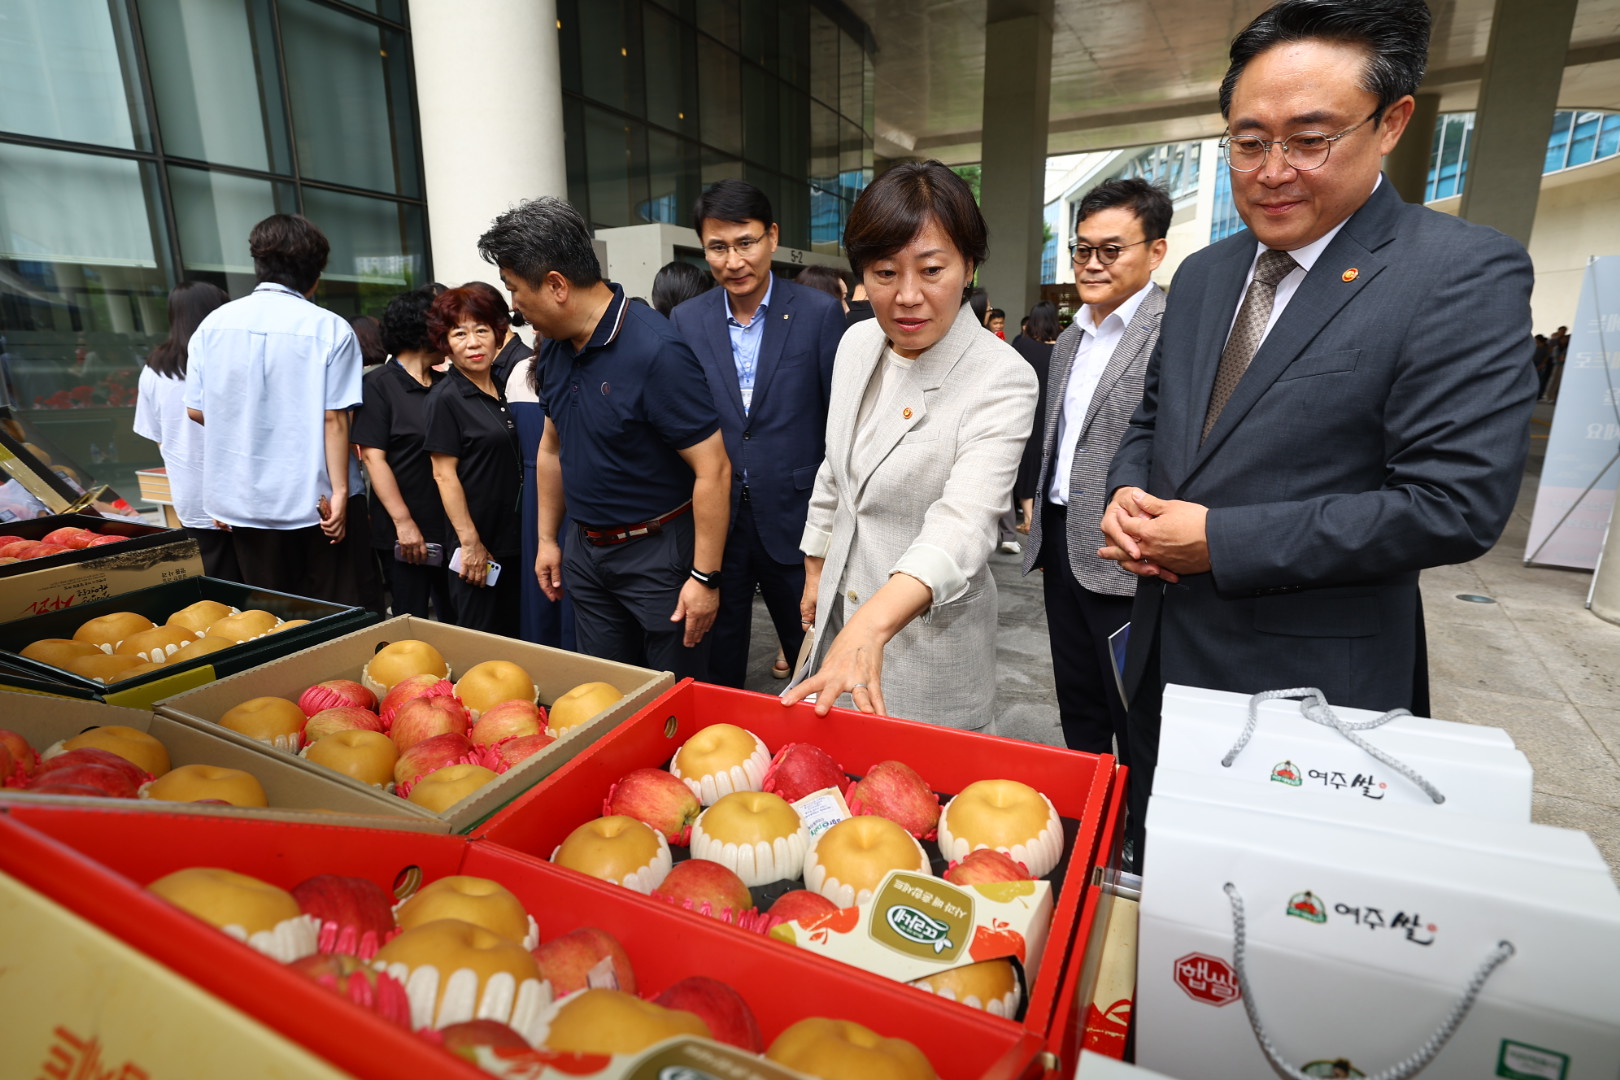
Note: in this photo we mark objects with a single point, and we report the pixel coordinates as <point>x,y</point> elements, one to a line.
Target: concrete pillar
<point>1518,94</point>
<point>492,122</point>
<point>1408,165</point>
<point>1017,92</point>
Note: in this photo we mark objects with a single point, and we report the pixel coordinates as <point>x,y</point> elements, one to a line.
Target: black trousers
<point>415,587</point>
<point>297,561</point>
<point>1142,718</point>
<point>494,609</point>
<point>746,564</point>
<point>624,595</point>
<point>1079,622</point>
<point>218,553</point>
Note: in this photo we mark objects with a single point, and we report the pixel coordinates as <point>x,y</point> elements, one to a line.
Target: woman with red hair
<point>477,463</point>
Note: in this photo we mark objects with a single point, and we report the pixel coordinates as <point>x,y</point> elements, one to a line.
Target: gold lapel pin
<point>906,413</point>
<point>784,317</point>
<point>1351,274</point>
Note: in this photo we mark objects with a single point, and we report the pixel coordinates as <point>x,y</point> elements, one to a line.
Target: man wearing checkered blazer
<point>1094,386</point>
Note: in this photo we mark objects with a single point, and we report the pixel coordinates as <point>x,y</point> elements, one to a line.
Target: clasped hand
<point>1153,537</point>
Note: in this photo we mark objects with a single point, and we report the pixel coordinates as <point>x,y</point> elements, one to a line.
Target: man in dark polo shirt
<point>632,444</point>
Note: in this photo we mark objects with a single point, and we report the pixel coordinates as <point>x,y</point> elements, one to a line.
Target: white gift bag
<point>1442,944</point>
<point>1094,1066</point>
<point>1368,759</point>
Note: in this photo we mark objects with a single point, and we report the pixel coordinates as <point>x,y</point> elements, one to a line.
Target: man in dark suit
<point>1094,386</point>
<point>1340,396</point>
<point>767,346</point>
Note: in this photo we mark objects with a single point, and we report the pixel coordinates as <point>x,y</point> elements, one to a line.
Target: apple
<point>801,768</point>
<point>655,797</point>
<point>52,786</point>
<point>423,718</point>
<point>728,1016</point>
<point>821,1046</point>
<point>355,908</point>
<point>443,788</point>
<point>341,718</point>
<point>510,752</point>
<point>894,790</point>
<point>431,755</point>
<point>465,1037</point>
<point>356,980</point>
<point>107,538</point>
<point>409,689</point>
<point>93,755</point>
<point>368,756</point>
<point>984,865</point>
<point>336,692</point>
<point>568,962</point>
<point>614,1022</point>
<point>801,905</point>
<point>6,764</point>
<point>705,887</point>
<point>579,705</point>
<point>23,758</point>
<point>69,536</point>
<point>508,720</point>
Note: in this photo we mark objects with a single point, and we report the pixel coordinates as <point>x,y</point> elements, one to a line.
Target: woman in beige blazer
<point>928,417</point>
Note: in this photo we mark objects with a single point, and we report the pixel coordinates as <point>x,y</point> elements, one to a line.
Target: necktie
<point>1247,331</point>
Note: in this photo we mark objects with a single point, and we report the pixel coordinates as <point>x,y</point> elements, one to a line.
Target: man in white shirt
<point>272,377</point>
<point>1094,386</point>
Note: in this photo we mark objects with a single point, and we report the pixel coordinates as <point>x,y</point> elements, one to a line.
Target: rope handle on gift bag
<point>1315,708</point>
<point>1409,1066</point>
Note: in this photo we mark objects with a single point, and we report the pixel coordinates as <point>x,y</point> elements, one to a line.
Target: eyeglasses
<point>717,250</point>
<point>1106,253</point>
<point>1304,150</point>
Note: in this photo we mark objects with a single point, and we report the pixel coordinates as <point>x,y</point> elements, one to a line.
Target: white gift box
<point>1361,937</point>
<point>1095,1066</point>
<point>1474,769</point>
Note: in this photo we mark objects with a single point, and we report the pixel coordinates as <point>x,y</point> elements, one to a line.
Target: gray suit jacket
<point>1118,393</point>
<point>927,501</point>
<point>1380,429</point>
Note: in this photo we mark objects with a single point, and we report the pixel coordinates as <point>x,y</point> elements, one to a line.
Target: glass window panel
<point>719,19</point>
<point>793,212</point>
<point>792,41</point>
<point>759,34</point>
<point>672,175</point>
<point>868,79</point>
<point>826,221</point>
<point>1558,142</point>
<point>579,181</point>
<point>214,213</point>
<point>211,104</point>
<point>607,62</point>
<point>793,124</point>
<point>64,75</point>
<point>1583,137</point>
<point>850,145</point>
<point>720,88</point>
<point>823,146</point>
<point>350,90</point>
<point>767,181</point>
<point>823,59</point>
<point>568,45</point>
<point>851,76</point>
<point>379,250</point>
<point>1609,140</point>
<point>762,135</point>
<point>720,167</point>
<point>671,74</point>
<point>82,298</point>
<point>617,169</point>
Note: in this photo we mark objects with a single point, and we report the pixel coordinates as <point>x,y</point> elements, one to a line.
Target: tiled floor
<point>1536,662</point>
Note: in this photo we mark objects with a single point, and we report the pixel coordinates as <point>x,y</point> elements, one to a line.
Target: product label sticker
<point>821,810</point>
<point>922,916</point>
<point>1521,1061</point>
<point>1308,906</point>
<point>1207,979</point>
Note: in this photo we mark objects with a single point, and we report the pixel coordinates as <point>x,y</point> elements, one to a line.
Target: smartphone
<point>435,554</point>
<point>492,572</point>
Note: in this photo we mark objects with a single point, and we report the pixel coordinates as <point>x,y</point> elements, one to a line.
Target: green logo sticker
<point>1286,772</point>
<point>922,916</point>
<point>1521,1061</point>
<point>1308,906</point>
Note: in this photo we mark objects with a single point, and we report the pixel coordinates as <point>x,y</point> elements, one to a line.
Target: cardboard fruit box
<point>157,603</point>
<point>555,671</point>
<point>294,794</point>
<point>1080,787</point>
<point>150,556</point>
<point>96,864</point>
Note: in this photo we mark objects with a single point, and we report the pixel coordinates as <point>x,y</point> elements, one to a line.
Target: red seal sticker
<point>1207,979</point>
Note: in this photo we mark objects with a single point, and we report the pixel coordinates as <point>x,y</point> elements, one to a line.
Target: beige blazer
<point>936,479</point>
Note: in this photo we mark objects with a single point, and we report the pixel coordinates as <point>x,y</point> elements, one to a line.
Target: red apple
<point>334,693</point>
<point>340,718</point>
<point>423,718</point>
<point>431,755</point>
<point>409,689</point>
<point>985,864</point>
<point>508,720</point>
<point>107,781</point>
<point>800,768</point>
<point>729,1018</point>
<point>15,548</point>
<point>106,539</point>
<point>23,758</point>
<point>705,887</point>
<point>351,910</point>
<point>656,798</point>
<point>51,786</point>
<point>463,1039</point>
<point>69,536</point>
<point>510,752</point>
<point>92,755</point>
<point>892,789</point>
<point>802,905</point>
<point>567,962</point>
<point>356,980</point>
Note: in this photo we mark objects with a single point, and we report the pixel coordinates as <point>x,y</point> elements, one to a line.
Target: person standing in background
<point>676,283</point>
<point>1040,332</point>
<point>160,415</point>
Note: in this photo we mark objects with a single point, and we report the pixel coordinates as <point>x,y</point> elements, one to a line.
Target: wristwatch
<point>711,580</point>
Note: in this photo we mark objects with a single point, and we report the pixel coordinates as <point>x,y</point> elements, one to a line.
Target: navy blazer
<point>1380,429</point>
<point>780,442</point>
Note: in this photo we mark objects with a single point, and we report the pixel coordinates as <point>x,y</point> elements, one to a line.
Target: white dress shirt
<point>1091,357</point>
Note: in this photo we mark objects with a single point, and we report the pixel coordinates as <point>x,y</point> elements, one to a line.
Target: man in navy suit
<point>1340,396</point>
<point>767,347</point>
